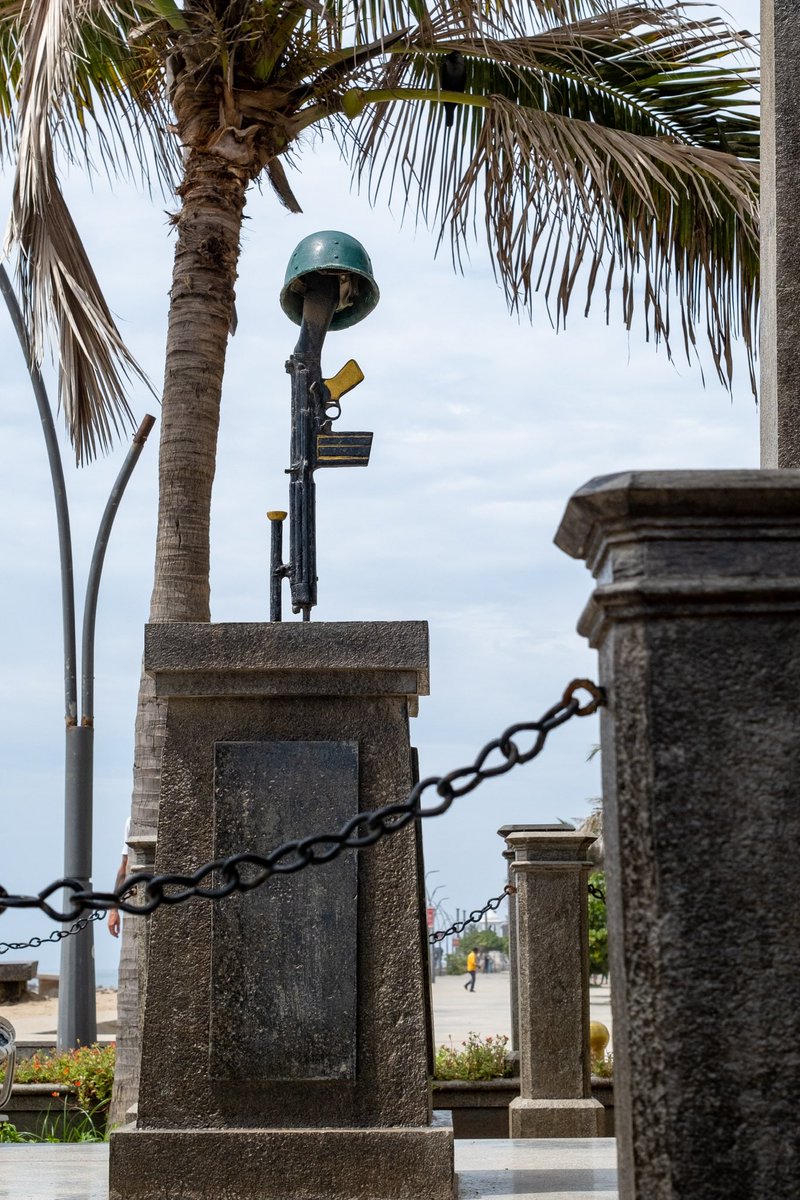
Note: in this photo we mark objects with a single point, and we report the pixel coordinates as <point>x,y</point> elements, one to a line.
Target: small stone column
<point>131,986</point>
<point>508,855</point>
<point>284,1047</point>
<point>550,871</point>
<point>696,615</point>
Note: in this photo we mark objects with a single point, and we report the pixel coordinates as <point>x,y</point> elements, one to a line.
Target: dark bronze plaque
<point>283,988</point>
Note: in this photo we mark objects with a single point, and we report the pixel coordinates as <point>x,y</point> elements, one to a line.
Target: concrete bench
<point>14,978</point>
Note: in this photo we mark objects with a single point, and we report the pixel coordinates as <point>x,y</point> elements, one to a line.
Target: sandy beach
<point>35,1019</point>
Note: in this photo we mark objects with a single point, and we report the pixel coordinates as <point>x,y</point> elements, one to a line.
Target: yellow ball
<point>599,1037</point>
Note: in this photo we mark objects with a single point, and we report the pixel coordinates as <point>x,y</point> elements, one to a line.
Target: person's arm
<point>113,913</point>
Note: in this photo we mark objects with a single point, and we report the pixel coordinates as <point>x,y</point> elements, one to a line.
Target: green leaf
<point>167,10</point>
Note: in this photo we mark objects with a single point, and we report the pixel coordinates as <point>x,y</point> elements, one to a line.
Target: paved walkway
<point>554,1170</point>
<point>487,1010</point>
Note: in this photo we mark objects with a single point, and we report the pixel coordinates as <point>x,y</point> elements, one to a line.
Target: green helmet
<point>338,253</point>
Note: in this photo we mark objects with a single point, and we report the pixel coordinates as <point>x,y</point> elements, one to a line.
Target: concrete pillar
<point>550,871</point>
<point>508,855</point>
<point>780,234</point>
<point>284,1048</point>
<point>131,987</point>
<point>696,615</point>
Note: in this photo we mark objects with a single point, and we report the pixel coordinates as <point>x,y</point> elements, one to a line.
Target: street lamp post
<point>430,901</point>
<point>77,1014</point>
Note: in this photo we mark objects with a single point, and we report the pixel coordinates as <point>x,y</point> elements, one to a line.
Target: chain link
<point>491,906</point>
<point>57,935</point>
<point>224,877</point>
<point>475,916</point>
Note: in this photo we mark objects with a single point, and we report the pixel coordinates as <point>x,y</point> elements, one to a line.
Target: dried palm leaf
<point>76,81</point>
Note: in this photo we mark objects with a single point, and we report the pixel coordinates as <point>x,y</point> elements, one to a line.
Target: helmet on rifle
<point>331,253</point>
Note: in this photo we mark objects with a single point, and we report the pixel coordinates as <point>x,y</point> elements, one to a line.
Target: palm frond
<point>78,84</point>
<point>659,218</point>
<point>620,149</point>
<point>60,290</point>
<point>10,11</point>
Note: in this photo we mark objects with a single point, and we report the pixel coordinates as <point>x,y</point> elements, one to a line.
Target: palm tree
<point>609,147</point>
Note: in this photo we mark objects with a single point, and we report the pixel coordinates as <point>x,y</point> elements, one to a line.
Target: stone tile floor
<point>569,1169</point>
<point>487,1010</point>
<point>573,1169</point>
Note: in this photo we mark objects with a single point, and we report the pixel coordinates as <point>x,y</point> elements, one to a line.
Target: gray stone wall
<point>696,615</point>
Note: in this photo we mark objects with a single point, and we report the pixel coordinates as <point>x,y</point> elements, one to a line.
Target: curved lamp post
<point>329,285</point>
<point>77,1017</point>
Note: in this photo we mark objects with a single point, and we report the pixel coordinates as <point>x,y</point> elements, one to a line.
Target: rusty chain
<point>364,829</point>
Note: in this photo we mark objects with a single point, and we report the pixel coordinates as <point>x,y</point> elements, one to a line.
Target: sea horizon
<point>108,977</point>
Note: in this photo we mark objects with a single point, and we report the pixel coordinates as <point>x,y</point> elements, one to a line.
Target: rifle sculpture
<point>329,285</point>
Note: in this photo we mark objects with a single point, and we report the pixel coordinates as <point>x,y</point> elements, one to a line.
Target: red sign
<point>431,916</point>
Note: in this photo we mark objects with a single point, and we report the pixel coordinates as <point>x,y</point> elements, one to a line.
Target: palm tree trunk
<point>200,318</point>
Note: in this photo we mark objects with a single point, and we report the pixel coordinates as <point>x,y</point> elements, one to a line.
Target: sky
<point>484,425</point>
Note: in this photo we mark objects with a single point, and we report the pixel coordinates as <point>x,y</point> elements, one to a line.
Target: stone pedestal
<point>284,1039</point>
<point>696,615</point>
<point>551,873</point>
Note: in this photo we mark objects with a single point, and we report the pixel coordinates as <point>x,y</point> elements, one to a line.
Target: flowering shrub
<point>479,1058</point>
<point>604,1066</point>
<point>89,1071</point>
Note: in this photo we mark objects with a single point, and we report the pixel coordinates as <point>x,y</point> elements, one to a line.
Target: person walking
<point>472,967</point>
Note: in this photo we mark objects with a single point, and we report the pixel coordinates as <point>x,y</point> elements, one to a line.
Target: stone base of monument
<point>286,1040</point>
<point>556,1118</point>
<point>259,1164</point>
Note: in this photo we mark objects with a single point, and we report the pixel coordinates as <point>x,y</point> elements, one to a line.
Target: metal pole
<point>77,1011</point>
<point>77,1020</point>
<point>276,569</point>
<point>60,496</point>
<point>95,570</point>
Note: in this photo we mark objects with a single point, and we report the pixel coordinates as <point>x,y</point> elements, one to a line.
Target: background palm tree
<point>603,146</point>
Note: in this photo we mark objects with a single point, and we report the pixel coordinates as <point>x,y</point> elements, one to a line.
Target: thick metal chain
<point>364,829</point>
<point>57,935</point>
<point>597,892</point>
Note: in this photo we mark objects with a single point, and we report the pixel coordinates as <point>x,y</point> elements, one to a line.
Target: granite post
<point>131,985</point>
<point>780,234</point>
<point>551,872</point>
<point>696,615</point>
<point>284,1047</point>
<point>508,855</point>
